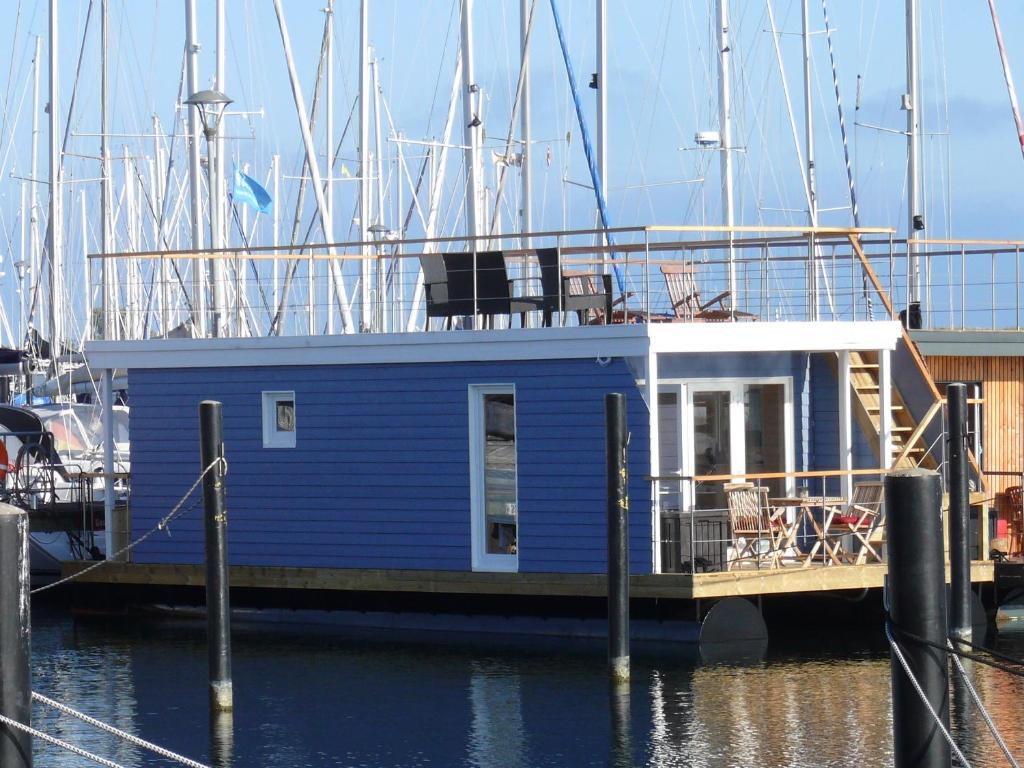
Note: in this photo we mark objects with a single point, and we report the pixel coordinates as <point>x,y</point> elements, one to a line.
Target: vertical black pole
<point>959,514</point>
<point>618,538</point>
<point>917,603</point>
<point>15,637</point>
<point>218,604</point>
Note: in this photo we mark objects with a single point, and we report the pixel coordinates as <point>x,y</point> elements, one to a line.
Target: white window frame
<point>481,559</point>
<point>272,436</point>
<point>684,389</point>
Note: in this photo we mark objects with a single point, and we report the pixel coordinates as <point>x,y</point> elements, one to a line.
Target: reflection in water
<point>324,701</point>
<point>622,734</point>
<point>496,730</point>
<point>222,739</point>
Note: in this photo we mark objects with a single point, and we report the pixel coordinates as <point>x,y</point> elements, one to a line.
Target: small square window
<point>278,419</point>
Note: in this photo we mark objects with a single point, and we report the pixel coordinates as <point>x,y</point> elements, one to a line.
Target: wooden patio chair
<point>755,529</point>
<point>687,304</point>
<point>860,518</point>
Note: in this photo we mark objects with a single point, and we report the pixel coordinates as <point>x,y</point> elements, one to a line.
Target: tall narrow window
<point>493,479</point>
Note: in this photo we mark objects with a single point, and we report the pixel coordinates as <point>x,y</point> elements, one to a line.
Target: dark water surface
<point>311,699</point>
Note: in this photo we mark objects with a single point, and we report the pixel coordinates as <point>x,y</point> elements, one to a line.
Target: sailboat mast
<point>471,126</point>
<point>1007,74</point>
<point>329,142</point>
<point>364,163</point>
<point>106,239</point>
<point>199,267</point>
<point>812,192</point>
<point>725,127</point>
<point>55,237</point>
<point>602,97</point>
<point>218,209</point>
<point>914,215</point>
<point>34,271</point>
<point>526,214</point>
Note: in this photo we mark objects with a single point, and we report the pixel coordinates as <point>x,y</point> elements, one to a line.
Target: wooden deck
<point>747,583</point>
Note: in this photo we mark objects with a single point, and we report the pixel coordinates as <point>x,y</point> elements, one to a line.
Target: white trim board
<point>506,344</point>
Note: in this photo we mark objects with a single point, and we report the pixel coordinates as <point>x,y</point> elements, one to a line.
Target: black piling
<point>15,637</point>
<point>618,536</point>
<point>218,603</point>
<point>917,604</point>
<point>959,514</point>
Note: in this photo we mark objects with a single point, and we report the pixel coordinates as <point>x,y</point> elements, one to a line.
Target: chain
<point>164,522</point>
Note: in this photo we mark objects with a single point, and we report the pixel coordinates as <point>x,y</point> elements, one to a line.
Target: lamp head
<point>211,105</point>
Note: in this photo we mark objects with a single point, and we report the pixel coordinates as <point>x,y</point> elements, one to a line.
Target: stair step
<point>902,429</point>
<point>878,407</point>
<point>863,366</point>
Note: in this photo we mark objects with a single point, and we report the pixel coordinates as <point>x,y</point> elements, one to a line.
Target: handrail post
<point>15,637</point>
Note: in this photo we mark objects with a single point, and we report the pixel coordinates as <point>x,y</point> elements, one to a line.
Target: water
<point>311,699</point>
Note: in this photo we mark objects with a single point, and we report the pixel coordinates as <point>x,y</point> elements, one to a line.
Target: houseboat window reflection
<point>500,473</point>
<point>493,477</point>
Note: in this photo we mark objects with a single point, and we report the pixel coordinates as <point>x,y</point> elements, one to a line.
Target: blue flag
<point>249,191</point>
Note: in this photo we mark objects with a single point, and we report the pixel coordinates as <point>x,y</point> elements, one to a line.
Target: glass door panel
<point>764,431</point>
<point>669,460</point>
<point>712,444</point>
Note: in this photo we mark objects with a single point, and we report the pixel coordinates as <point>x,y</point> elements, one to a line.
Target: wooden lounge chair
<point>860,518</point>
<point>1015,518</point>
<point>755,529</point>
<point>680,279</point>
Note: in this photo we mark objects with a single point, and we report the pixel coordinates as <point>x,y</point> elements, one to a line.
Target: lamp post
<point>379,232</point>
<point>211,105</point>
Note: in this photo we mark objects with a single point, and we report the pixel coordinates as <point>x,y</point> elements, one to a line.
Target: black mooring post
<point>618,536</point>
<point>218,603</point>
<point>959,514</point>
<point>15,637</point>
<point>917,604</point>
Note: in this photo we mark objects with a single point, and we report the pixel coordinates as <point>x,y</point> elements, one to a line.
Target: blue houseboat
<point>457,446</point>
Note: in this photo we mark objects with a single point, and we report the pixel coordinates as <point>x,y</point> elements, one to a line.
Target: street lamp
<point>211,105</point>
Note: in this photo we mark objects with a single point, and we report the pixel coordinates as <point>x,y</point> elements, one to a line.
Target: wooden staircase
<point>909,446</point>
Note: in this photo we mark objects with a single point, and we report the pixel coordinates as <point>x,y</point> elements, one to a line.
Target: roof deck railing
<point>755,273</point>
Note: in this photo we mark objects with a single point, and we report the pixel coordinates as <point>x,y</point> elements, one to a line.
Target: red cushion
<point>846,519</point>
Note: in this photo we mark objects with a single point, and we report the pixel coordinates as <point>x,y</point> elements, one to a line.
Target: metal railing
<point>781,521</point>
<point>762,273</point>
<point>963,284</point>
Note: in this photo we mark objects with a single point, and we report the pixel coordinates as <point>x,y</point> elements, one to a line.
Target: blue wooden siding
<point>825,422</point>
<point>379,477</point>
<point>735,365</point>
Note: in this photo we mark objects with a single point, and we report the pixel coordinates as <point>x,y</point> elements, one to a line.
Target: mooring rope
<point>920,692</point>
<point>59,743</point>
<point>981,708</point>
<point>164,522</point>
<point>131,739</point>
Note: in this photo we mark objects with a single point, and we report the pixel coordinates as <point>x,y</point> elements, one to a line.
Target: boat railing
<point>735,274</point>
<point>775,521</point>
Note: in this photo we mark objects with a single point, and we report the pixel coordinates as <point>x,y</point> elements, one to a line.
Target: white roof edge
<point>496,345</point>
<point>355,349</point>
<point>826,336</point>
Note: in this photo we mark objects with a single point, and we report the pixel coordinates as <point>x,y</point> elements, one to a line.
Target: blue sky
<point>662,89</point>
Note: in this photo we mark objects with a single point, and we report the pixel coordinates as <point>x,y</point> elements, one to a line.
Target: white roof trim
<point>356,349</point>
<point>826,336</point>
<point>504,344</point>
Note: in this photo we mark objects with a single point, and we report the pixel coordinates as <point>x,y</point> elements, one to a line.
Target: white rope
<point>981,707</point>
<point>170,516</point>
<point>58,743</point>
<point>928,705</point>
<point>116,732</point>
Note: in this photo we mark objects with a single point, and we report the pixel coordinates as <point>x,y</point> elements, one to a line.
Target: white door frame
<point>737,433</point>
